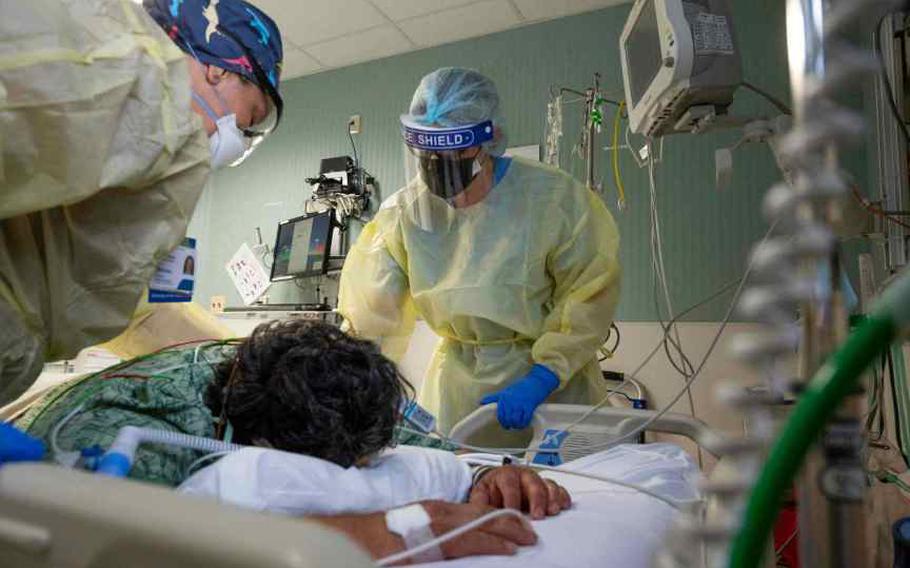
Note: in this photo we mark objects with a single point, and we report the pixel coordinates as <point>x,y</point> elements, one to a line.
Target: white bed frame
<point>603,425</point>
<point>56,517</point>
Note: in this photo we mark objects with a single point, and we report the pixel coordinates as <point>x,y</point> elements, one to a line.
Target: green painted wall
<point>707,234</point>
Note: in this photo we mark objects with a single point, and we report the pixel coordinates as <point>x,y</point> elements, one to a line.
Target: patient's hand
<point>500,536</point>
<point>517,487</point>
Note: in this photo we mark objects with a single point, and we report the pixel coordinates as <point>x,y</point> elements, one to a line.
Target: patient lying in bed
<point>606,521</point>
<point>328,400</point>
<point>299,386</point>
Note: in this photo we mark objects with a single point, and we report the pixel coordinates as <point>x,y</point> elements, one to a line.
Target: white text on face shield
<point>448,140</point>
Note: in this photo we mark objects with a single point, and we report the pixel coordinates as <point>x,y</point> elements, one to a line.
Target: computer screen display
<point>643,52</point>
<point>302,246</point>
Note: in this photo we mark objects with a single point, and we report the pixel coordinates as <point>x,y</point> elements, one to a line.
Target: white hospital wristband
<point>412,523</point>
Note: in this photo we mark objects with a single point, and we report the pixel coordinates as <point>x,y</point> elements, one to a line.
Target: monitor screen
<point>643,52</point>
<point>302,246</point>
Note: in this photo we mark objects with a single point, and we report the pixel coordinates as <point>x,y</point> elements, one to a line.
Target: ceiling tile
<point>297,63</point>
<point>546,9</point>
<point>472,20</point>
<point>401,9</point>
<point>306,22</point>
<point>364,46</point>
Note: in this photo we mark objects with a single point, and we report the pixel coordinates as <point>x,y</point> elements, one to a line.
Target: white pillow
<point>270,480</point>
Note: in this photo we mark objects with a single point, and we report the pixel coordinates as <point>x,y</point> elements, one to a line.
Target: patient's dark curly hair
<point>307,387</point>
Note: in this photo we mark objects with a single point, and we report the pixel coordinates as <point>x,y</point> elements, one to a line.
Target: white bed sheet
<point>260,479</point>
<point>607,526</point>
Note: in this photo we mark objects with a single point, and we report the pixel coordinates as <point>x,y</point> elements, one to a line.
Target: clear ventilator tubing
<point>118,460</point>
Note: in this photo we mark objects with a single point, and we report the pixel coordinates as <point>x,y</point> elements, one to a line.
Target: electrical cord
<point>626,396</point>
<point>638,161</point>
<point>642,427</point>
<point>684,368</point>
<point>440,437</point>
<point>889,476</point>
<point>354,147</point>
<point>780,550</point>
<point>886,79</point>
<point>875,211</point>
<point>778,104</point>
<point>659,275</point>
<point>617,176</point>
<point>639,389</point>
<point>608,352</point>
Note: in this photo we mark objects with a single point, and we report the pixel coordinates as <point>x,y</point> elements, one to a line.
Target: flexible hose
<point>835,380</point>
<point>118,460</point>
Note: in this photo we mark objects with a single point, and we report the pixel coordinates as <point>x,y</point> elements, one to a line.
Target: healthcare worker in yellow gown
<point>511,262</point>
<point>112,115</point>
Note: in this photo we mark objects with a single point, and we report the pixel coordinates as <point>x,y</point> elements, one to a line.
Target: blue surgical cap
<point>453,96</point>
<point>226,34</point>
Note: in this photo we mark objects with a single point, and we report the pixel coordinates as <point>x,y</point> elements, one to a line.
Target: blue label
<point>441,139</point>
<point>552,440</point>
<point>418,416</point>
<point>176,275</point>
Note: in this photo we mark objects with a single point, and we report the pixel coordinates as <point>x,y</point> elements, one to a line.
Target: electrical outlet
<point>354,124</point>
<point>216,303</point>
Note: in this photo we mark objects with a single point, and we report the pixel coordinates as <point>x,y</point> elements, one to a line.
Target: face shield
<point>444,159</point>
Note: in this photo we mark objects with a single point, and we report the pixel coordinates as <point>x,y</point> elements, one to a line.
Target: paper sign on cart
<point>247,274</point>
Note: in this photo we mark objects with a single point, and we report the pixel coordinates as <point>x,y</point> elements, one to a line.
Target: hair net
<point>454,96</point>
<point>226,34</point>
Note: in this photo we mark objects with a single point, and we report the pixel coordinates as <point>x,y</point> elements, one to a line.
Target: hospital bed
<point>597,430</point>
<point>51,516</point>
<point>56,517</point>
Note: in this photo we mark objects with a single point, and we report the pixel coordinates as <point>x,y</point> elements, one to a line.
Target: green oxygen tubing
<point>834,380</point>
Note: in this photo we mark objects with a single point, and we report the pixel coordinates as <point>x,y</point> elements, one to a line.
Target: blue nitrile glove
<point>517,402</point>
<point>16,445</point>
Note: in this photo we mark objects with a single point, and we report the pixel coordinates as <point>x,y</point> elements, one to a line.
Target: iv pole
<point>593,120</point>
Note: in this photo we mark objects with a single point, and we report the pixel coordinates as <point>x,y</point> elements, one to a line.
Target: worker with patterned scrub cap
<point>102,158</point>
<point>511,262</point>
<point>112,115</point>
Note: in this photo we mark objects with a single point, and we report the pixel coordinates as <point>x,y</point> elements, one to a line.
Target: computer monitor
<point>680,63</point>
<point>302,246</point>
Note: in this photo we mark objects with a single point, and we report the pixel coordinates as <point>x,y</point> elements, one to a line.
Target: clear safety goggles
<point>258,132</point>
<point>254,136</point>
